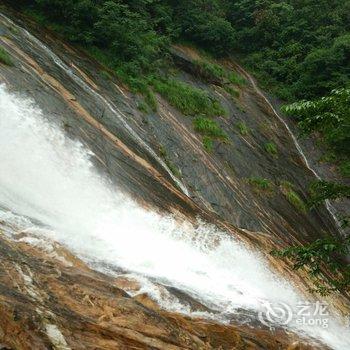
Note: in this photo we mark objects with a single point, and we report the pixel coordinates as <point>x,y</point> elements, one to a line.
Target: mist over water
<point>49,179</point>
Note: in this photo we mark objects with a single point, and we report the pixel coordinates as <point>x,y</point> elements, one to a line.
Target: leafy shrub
<point>329,115</point>
<point>214,71</point>
<point>119,35</point>
<point>286,44</point>
<point>295,199</point>
<point>322,190</point>
<point>143,107</point>
<point>319,258</point>
<point>203,22</point>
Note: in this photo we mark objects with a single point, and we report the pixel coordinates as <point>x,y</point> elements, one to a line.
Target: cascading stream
<point>50,179</point>
<point>116,112</point>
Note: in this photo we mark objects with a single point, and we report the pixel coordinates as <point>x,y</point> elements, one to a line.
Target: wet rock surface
<point>46,303</point>
<point>101,113</point>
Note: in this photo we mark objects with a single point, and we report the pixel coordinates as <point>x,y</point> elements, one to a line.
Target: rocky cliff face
<point>50,303</point>
<point>104,114</point>
<point>52,299</point>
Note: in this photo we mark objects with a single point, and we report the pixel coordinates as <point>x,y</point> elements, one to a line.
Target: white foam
<point>49,178</point>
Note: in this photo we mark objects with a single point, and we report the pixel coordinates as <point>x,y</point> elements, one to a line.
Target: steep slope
<point>216,181</point>
<point>135,151</point>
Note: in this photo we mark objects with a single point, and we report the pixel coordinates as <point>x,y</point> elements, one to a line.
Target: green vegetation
<point>324,258</point>
<point>209,128</point>
<point>236,79</point>
<point>208,143</point>
<point>287,42</point>
<point>148,104</point>
<point>319,258</point>
<point>217,73</point>
<point>232,91</point>
<point>211,71</point>
<point>204,23</point>
<point>172,167</point>
<point>298,49</point>
<point>214,73</point>
<point>329,116</point>
<point>260,183</point>
<point>143,107</point>
<point>122,36</point>
<point>327,254</point>
<point>187,99</point>
<point>151,100</point>
<point>271,148</point>
<point>243,128</point>
<point>344,168</point>
<point>293,197</point>
<point>322,190</point>
<point>5,57</point>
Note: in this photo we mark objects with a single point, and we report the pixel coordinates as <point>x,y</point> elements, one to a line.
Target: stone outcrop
<point>55,301</point>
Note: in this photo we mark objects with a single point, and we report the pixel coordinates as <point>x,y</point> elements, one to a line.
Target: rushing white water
<point>109,105</point>
<point>48,178</point>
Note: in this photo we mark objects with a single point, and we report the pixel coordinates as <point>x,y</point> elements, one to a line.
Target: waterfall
<point>109,105</point>
<point>50,188</point>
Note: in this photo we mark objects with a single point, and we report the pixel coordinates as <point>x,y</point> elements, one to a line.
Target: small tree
<point>329,115</point>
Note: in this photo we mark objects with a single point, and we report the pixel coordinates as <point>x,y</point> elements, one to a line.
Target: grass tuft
<point>5,57</point>
<point>243,128</point>
<point>208,143</point>
<point>172,167</point>
<point>236,79</point>
<point>151,100</point>
<point>271,148</point>
<point>293,197</point>
<point>260,183</point>
<point>209,128</point>
<point>143,107</point>
<point>210,71</point>
<point>232,91</point>
<point>187,99</point>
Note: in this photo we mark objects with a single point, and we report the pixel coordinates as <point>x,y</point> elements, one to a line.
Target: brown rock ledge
<point>51,303</point>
